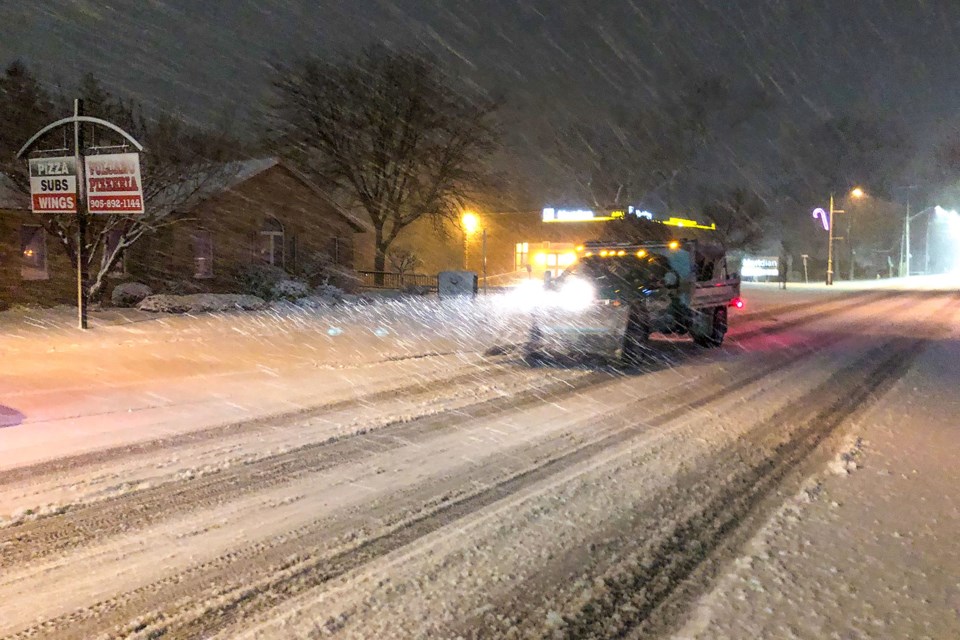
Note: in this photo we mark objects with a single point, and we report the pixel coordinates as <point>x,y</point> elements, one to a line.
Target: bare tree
<point>387,133</point>
<point>740,216</point>
<point>179,163</point>
<point>643,147</point>
<point>403,260</point>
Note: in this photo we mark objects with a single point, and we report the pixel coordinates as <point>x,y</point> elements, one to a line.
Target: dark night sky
<point>554,61</point>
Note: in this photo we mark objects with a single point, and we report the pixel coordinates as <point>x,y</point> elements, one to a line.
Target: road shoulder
<point>870,548</point>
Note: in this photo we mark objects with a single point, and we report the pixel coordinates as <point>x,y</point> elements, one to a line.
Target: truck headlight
<point>576,295</point>
<point>526,296</point>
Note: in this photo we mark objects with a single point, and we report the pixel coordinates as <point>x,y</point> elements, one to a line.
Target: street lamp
<point>471,222</point>
<point>905,246</point>
<point>854,193</point>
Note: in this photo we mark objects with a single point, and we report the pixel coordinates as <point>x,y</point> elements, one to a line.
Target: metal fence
<point>392,280</point>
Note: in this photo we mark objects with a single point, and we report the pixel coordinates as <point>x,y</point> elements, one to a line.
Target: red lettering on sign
<point>114,185</point>
<point>64,203</point>
<point>115,204</point>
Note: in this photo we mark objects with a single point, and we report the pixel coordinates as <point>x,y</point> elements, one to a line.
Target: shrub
<point>319,269</point>
<point>289,290</point>
<point>129,294</point>
<point>259,279</point>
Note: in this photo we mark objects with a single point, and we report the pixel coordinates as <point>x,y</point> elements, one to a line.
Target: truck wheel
<point>531,353</point>
<point>717,329</point>
<point>635,337</point>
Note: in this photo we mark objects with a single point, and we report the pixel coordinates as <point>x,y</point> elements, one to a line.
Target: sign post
<point>82,274</point>
<point>108,183</point>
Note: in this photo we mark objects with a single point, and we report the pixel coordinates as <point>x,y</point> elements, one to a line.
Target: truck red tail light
<point>737,302</point>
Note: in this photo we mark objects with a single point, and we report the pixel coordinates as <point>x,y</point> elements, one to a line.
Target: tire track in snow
<point>230,596</point>
<point>646,581</point>
<point>59,466</point>
<point>659,569</point>
<point>68,463</point>
<point>73,526</point>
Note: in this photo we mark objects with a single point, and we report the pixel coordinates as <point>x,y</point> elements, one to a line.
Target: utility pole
<point>906,243</point>
<point>830,244</point>
<point>484,254</point>
<point>82,272</point>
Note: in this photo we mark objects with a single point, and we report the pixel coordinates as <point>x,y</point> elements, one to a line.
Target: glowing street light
<point>471,222</point>
<point>857,193</point>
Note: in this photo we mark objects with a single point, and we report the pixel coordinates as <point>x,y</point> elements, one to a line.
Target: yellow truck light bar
<point>689,224</point>
<point>621,249</point>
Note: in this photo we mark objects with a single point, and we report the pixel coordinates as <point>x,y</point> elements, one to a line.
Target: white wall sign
<point>759,267</point>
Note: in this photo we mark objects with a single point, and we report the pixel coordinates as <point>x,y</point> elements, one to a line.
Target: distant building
<point>251,212</point>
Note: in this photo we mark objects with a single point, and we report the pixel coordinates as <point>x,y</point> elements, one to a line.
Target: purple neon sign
<point>819,212</point>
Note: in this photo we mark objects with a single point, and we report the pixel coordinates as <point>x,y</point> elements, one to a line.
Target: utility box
<point>452,284</point>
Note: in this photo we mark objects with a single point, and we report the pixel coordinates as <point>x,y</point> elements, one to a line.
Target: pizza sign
<point>113,183</point>
<point>53,185</point>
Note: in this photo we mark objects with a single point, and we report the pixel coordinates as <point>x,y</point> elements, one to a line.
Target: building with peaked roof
<point>257,211</point>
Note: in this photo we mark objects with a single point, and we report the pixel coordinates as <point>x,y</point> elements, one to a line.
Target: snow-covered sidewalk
<point>871,547</point>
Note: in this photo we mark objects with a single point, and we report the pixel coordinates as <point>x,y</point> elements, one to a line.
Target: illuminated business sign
<point>553,214</point>
<point>640,214</point>
<point>759,267</point>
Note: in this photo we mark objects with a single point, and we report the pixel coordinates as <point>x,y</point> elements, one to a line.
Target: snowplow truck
<point>616,294</point>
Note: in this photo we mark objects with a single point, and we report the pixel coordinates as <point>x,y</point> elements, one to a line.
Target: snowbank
<point>201,302</point>
<point>130,294</point>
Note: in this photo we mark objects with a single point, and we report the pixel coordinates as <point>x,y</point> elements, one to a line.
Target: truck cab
<point>617,294</point>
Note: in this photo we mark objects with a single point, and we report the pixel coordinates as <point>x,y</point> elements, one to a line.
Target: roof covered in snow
<point>213,180</point>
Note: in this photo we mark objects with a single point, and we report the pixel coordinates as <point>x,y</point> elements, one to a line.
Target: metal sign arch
<point>76,120</point>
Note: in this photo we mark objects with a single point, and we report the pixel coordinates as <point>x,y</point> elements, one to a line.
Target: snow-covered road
<point>379,472</point>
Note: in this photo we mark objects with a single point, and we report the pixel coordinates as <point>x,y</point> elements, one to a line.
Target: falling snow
<point>279,423</point>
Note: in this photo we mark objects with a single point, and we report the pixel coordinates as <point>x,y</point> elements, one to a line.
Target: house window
<point>270,245</point>
<point>202,254</point>
<point>33,253</point>
<point>119,267</point>
<point>522,256</point>
<point>336,250</point>
<point>341,251</point>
